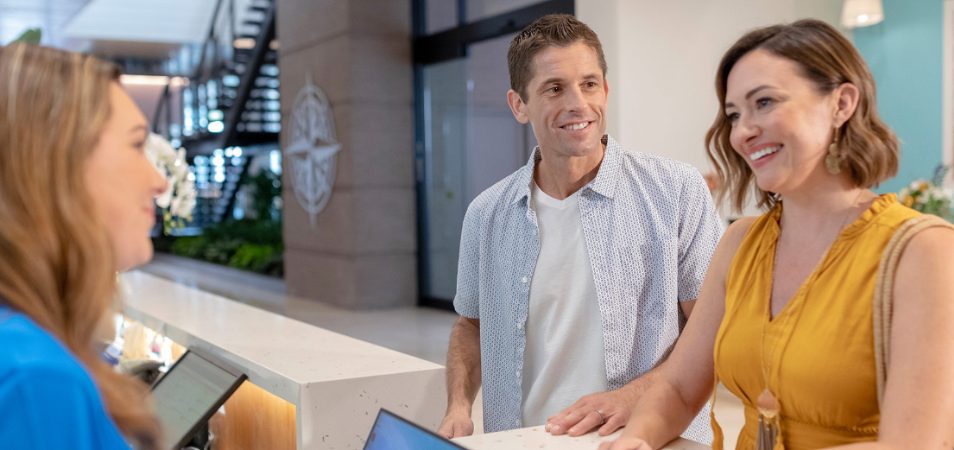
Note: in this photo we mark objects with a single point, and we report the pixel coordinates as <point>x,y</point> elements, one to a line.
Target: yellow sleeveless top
<point>819,350</point>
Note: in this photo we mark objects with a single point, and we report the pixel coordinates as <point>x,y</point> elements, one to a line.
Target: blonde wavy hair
<point>57,263</point>
<point>869,149</point>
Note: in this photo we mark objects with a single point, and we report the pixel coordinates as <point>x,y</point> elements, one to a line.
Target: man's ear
<point>517,106</point>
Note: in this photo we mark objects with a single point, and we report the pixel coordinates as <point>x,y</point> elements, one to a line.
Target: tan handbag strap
<point>884,290</point>
<point>718,438</point>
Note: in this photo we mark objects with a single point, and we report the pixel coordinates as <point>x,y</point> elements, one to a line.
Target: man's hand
<point>626,443</point>
<point>456,424</point>
<point>608,411</point>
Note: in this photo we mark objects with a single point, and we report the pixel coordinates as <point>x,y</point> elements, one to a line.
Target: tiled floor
<point>421,332</point>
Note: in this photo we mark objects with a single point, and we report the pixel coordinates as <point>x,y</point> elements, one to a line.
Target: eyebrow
<point>549,81</point>
<point>749,94</point>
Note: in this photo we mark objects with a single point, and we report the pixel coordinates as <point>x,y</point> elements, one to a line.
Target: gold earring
<point>833,158</point>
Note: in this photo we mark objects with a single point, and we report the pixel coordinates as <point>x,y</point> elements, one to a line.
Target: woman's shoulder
<point>50,390</point>
<point>740,228</point>
<point>729,245</point>
<point>890,211</point>
<point>931,248</point>
<point>30,352</point>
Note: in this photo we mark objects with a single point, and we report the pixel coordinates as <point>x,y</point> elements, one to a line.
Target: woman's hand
<point>605,411</point>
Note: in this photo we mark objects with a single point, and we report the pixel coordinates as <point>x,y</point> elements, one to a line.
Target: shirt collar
<point>604,184</point>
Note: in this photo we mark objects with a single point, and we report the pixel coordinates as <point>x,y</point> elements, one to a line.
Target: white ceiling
<point>49,15</point>
<point>167,21</point>
<point>132,28</point>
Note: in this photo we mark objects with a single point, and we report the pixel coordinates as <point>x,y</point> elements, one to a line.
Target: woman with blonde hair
<point>787,318</point>
<point>76,198</point>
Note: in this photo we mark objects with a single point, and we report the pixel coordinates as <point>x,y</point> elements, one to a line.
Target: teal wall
<point>904,53</point>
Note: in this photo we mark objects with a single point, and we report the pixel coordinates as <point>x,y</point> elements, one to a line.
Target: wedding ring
<point>602,417</point>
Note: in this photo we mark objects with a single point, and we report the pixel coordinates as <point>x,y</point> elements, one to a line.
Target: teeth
<point>577,126</point>
<point>763,153</point>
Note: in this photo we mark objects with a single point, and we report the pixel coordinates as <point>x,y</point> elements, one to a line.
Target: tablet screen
<point>391,432</point>
<point>189,393</point>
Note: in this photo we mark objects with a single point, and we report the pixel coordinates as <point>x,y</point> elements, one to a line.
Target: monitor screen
<point>189,393</point>
<point>391,432</point>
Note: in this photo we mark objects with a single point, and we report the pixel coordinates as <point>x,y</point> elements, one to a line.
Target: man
<point>577,271</point>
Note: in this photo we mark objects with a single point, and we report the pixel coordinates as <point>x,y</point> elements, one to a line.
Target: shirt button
<point>524,280</point>
<point>519,326</point>
<point>518,373</point>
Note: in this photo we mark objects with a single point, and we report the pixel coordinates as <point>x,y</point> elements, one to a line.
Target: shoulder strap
<point>718,437</point>
<point>884,289</point>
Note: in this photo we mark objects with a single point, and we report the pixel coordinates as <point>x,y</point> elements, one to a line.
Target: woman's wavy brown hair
<point>57,264</point>
<point>869,149</point>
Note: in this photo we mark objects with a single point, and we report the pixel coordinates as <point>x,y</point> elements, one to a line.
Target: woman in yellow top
<point>785,314</point>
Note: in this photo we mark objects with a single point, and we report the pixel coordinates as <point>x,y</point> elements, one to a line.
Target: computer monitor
<point>392,432</point>
<point>190,393</point>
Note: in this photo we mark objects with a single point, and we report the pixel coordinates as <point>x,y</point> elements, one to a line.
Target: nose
<point>159,183</point>
<point>744,131</point>
<point>574,100</point>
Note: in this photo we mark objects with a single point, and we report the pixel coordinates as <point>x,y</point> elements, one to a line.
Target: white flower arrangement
<point>178,201</point>
<point>929,196</point>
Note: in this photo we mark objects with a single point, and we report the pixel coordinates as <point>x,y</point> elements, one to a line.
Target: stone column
<point>361,251</point>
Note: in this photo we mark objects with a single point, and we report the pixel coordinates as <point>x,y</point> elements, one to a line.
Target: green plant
<point>30,36</point>
<point>250,244</point>
<point>221,251</point>
<point>266,187</point>
<point>256,257</point>
<point>254,231</point>
<point>254,245</point>
<point>190,246</point>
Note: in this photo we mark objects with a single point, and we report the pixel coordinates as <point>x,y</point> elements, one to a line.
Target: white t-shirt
<point>563,360</point>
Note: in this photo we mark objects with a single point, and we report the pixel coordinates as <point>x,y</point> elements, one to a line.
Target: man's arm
<point>463,378</point>
<point>699,232</point>
<point>463,353</point>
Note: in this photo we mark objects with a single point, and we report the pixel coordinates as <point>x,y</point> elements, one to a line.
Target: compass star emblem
<point>312,150</point>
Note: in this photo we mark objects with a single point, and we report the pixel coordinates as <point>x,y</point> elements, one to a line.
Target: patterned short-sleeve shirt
<point>650,228</point>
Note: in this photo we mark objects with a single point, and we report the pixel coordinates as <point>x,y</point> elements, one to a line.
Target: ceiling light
<point>244,43</point>
<point>153,80</point>
<point>861,13</point>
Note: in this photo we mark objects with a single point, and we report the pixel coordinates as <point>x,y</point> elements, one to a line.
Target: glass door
<point>467,138</point>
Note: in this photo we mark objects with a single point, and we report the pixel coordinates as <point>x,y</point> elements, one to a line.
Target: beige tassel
<point>769,436</point>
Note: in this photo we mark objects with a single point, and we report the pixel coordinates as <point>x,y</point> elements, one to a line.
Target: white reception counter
<point>535,438</point>
<point>336,383</point>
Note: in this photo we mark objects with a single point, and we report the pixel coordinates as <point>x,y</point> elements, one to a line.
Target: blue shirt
<point>48,400</point>
<point>650,228</point>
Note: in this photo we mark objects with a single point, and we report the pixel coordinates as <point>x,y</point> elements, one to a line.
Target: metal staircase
<point>229,111</point>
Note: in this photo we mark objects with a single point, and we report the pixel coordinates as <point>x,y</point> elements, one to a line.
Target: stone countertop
<point>535,438</point>
<point>279,354</point>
